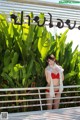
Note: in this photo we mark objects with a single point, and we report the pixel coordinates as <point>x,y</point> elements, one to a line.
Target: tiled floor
<point>58,114</point>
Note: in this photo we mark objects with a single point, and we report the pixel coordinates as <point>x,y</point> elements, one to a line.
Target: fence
<point>33,99</point>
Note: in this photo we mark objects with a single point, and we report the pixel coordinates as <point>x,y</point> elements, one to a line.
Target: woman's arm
<point>47,75</point>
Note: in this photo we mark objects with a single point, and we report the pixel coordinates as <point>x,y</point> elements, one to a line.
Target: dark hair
<point>51,58</point>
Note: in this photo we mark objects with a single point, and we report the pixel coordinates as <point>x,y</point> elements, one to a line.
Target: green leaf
<point>71,74</point>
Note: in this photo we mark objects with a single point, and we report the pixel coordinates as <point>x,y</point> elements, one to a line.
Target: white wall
<point>73,35</point>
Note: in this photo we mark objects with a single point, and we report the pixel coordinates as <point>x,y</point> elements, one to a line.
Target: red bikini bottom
<point>49,91</point>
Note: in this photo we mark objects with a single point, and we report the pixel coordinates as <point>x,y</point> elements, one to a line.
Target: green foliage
<point>20,55</point>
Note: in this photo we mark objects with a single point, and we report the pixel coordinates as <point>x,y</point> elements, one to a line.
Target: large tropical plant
<point>23,52</point>
<point>20,61</point>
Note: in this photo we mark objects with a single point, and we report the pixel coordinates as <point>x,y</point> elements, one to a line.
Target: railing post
<point>40,99</point>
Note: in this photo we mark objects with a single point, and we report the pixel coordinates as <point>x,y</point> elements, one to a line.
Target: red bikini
<point>49,91</point>
<point>55,76</point>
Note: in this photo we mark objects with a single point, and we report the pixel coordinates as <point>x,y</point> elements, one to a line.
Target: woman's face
<point>50,61</point>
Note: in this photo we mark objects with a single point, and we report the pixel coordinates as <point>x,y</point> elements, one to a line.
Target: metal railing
<point>57,11</point>
<point>31,99</point>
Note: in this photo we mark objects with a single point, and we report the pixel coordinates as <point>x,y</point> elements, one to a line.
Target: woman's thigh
<point>57,97</point>
<point>49,100</point>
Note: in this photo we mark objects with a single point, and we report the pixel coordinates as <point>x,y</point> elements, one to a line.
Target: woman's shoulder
<point>48,68</point>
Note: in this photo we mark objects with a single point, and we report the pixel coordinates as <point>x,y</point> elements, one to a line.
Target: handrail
<point>14,98</point>
<point>36,88</point>
<point>11,101</point>
<point>57,11</point>
<point>43,3</point>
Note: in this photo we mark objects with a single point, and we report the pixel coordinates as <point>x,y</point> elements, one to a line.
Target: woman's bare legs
<point>57,101</point>
<point>50,101</point>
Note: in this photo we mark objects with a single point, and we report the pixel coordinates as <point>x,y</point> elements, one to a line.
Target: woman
<point>54,77</point>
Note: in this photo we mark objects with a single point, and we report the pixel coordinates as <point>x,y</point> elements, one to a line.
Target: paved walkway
<point>58,114</point>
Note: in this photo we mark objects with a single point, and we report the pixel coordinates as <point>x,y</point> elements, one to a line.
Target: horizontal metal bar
<point>50,4</point>
<point>27,7</point>
<point>35,105</point>
<point>24,94</point>
<point>31,7</point>
<point>36,88</point>
<point>54,22</point>
<point>71,102</point>
<point>37,11</point>
<point>11,4</point>
<point>30,94</point>
<point>71,92</point>
<point>11,101</point>
<point>57,12</point>
<point>54,18</point>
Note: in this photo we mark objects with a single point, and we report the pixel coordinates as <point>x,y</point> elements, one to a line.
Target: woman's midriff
<point>56,84</point>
